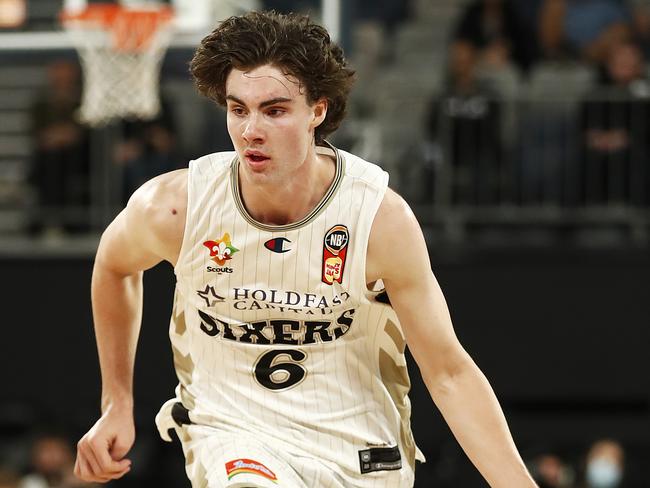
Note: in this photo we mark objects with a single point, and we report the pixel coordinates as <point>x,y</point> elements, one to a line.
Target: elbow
<point>443,378</point>
<point>105,270</point>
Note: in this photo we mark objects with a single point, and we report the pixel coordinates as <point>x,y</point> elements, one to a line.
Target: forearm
<point>117,313</point>
<point>474,415</point>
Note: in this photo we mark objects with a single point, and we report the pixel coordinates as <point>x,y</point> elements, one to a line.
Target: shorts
<point>218,459</point>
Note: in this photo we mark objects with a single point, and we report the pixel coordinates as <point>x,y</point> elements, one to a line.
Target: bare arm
<point>146,232</point>
<point>455,383</point>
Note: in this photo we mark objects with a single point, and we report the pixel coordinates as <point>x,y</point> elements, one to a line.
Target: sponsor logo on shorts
<point>221,251</point>
<point>335,248</point>
<point>242,466</point>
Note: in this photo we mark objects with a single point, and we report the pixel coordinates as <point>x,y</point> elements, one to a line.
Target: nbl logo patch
<point>335,248</point>
<point>242,466</point>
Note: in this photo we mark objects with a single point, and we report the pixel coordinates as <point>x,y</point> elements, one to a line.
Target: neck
<point>288,201</point>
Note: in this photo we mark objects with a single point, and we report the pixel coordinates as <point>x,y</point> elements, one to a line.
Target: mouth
<point>256,156</point>
<point>256,160</point>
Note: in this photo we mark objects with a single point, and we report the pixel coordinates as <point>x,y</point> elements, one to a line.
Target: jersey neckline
<point>315,212</point>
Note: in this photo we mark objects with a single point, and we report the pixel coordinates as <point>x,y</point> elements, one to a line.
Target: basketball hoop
<point>121,51</point>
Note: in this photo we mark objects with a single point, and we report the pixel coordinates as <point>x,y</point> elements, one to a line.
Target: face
<point>271,124</point>
<point>462,59</point>
<point>605,464</point>
<point>625,63</point>
<point>51,455</point>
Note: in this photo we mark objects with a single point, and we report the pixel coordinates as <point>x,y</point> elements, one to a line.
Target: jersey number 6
<point>272,373</point>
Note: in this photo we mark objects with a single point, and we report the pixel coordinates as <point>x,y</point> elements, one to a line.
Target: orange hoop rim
<point>131,28</point>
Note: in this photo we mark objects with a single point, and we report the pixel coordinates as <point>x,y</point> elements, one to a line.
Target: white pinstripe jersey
<point>274,331</point>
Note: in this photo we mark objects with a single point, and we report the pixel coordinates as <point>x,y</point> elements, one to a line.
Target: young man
<point>289,353</point>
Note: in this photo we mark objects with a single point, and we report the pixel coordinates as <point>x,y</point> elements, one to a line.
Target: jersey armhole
<point>186,238</point>
<point>368,292</point>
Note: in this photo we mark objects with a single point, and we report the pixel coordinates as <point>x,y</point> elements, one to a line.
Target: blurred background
<point>519,132</point>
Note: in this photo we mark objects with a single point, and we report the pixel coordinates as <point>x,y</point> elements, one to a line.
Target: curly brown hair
<point>292,43</point>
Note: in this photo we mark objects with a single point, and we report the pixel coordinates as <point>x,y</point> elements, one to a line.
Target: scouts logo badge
<point>242,466</point>
<point>221,250</point>
<point>335,248</point>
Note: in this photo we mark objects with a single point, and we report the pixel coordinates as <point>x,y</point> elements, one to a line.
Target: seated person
<point>615,124</point>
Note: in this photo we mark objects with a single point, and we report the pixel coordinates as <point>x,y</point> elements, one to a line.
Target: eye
<point>237,111</point>
<point>275,112</point>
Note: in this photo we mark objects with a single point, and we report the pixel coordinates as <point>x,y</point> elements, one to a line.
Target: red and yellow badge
<point>221,250</point>
<point>335,248</point>
<point>241,466</point>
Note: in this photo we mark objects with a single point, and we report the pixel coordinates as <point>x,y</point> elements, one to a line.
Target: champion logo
<point>242,466</point>
<point>279,245</point>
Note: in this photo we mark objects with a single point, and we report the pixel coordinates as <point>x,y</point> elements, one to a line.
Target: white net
<point>121,55</point>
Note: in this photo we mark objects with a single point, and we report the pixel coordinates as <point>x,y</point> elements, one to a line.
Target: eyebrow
<point>263,104</point>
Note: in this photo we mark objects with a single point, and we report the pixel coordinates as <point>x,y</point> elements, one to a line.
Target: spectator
<point>60,166</point>
<point>494,29</point>
<point>615,122</point>
<point>586,28</point>
<point>605,465</point>
<point>550,471</point>
<point>52,463</point>
<point>465,122</point>
<point>149,149</point>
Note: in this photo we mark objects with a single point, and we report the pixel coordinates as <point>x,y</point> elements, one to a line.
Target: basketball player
<point>300,279</point>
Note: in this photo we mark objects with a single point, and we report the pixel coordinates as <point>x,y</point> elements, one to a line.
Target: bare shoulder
<point>158,208</point>
<point>392,207</point>
<point>394,218</point>
<point>394,223</point>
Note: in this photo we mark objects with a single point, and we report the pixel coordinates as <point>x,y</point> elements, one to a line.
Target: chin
<point>257,175</point>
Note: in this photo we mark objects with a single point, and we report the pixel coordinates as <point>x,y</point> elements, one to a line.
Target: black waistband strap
<point>180,414</point>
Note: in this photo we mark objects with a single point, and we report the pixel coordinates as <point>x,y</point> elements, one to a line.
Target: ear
<point>319,110</point>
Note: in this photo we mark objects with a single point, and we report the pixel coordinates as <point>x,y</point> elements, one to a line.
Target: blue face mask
<point>603,473</point>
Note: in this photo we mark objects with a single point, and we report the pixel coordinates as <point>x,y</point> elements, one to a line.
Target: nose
<point>252,130</point>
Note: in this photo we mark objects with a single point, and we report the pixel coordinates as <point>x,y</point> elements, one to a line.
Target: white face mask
<point>603,473</point>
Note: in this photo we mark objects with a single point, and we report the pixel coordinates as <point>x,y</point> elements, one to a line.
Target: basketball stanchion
<point>121,49</point>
